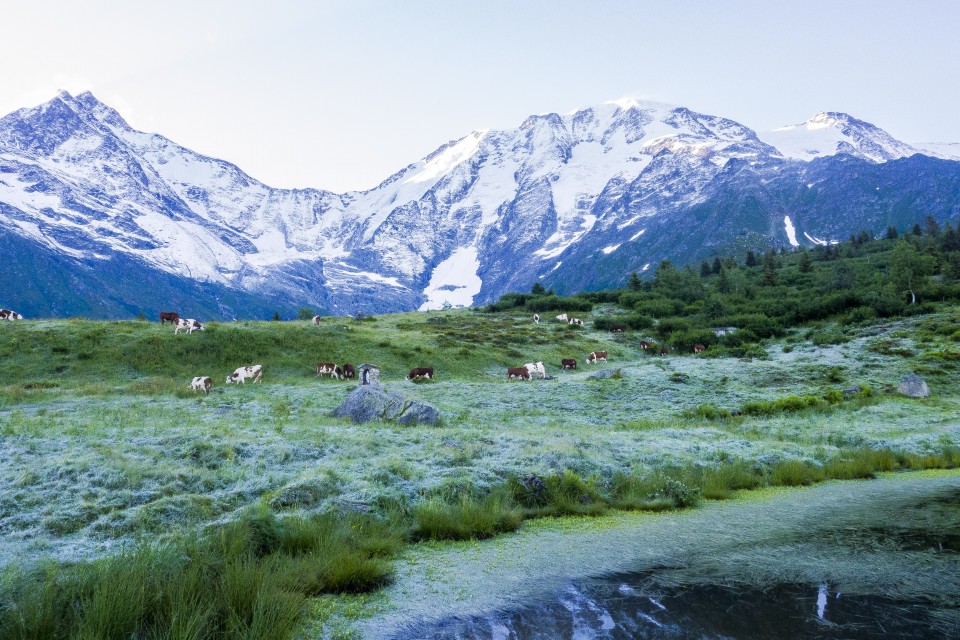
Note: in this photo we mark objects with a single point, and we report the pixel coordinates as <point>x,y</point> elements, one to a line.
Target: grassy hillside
<point>102,443</point>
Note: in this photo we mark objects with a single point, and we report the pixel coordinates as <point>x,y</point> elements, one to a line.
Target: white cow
<point>242,374</point>
<point>201,383</point>
<point>562,317</point>
<point>7,314</point>
<point>188,325</point>
<point>536,318</point>
<point>316,319</point>
<point>536,367</point>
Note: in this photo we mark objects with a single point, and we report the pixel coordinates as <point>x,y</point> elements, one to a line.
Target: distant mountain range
<point>101,220</point>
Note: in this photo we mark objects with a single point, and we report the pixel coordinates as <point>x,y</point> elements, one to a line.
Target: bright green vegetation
<point>105,449</point>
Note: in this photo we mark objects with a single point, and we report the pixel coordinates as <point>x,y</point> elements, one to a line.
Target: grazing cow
<point>316,319</point>
<point>201,383</point>
<point>536,318</point>
<point>645,345</point>
<point>328,369</point>
<point>188,325</point>
<point>568,363</point>
<point>618,328</point>
<point>254,372</point>
<point>169,316</point>
<point>7,314</point>
<point>596,356</point>
<point>663,351</point>
<point>421,372</point>
<point>521,373</point>
<point>576,321</point>
<point>699,348</point>
<point>349,373</point>
<point>562,317</point>
<point>536,367</point>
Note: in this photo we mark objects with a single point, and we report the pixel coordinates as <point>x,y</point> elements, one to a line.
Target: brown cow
<point>663,351</point>
<point>349,373</point>
<point>169,316</point>
<point>328,369</point>
<point>568,363</point>
<point>520,373</point>
<point>616,328</point>
<point>645,345</point>
<point>699,348</point>
<point>421,372</point>
<point>596,356</point>
<point>7,314</point>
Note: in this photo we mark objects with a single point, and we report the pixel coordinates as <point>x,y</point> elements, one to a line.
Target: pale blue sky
<point>339,95</point>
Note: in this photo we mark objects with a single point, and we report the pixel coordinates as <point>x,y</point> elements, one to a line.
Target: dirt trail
<point>436,581</point>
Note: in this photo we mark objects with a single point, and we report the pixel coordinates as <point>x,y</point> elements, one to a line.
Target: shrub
<point>720,482</point>
<point>465,517</point>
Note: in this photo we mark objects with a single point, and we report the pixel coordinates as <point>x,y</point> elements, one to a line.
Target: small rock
<point>852,391</point>
<point>913,386</point>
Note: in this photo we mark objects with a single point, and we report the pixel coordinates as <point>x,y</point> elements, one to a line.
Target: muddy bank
<point>871,538</point>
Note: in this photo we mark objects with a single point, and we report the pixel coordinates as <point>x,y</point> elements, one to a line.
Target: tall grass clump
<point>720,483</point>
<point>795,473</point>
<point>465,517</point>
<point>247,579</point>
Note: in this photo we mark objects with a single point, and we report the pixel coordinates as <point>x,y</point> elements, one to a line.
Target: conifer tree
<point>751,259</point>
<point>704,269</point>
<point>634,283</point>
<point>715,268</point>
<point>805,265</point>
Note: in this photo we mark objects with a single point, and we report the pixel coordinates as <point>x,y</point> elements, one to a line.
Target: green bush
<point>795,473</point>
<point>465,517</point>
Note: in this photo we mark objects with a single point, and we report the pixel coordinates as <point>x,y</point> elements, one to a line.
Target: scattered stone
<point>370,402</point>
<point>852,391</point>
<point>603,374</point>
<point>913,386</point>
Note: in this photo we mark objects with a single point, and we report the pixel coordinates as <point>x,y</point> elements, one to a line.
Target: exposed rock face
<point>371,402</point>
<point>913,386</point>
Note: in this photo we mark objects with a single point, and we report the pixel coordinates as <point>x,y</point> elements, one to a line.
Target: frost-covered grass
<point>103,446</point>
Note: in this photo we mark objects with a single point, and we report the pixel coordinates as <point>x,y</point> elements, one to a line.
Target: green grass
<point>248,579</point>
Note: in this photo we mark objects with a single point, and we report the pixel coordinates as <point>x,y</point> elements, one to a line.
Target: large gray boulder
<point>913,386</point>
<point>371,402</point>
<point>603,374</point>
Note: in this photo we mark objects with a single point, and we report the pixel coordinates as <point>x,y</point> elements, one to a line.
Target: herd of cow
<point>348,371</point>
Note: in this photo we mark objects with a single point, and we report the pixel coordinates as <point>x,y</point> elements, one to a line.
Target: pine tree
<point>892,233</point>
<point>723,282</point>
<point>751,259</point>
<point>537,289</point>
<point>276,316</point>
<point>769,269</point>
<point>704,269</point>
<point>931,227</point>
<point>949,239</point>
<point>715,268</point>
<point>805,265</point>
<point>634,284</point>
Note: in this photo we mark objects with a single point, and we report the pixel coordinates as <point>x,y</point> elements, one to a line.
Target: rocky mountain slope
<point>575,201</point>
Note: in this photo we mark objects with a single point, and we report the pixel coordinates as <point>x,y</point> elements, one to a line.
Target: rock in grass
<point>913,386</point>
<point>368,402</point>
<point>603,374</point>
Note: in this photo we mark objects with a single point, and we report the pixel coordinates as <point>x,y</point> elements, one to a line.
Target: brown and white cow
<point>7,314</point>
<point>201,383</point>
<point>520,373</point>
<point>349,372</point>
<point>596,356</point>
<point>316,319</point>
<point>536,367</point>
<point>242,374</point>
<point>568,363</point>
<point>699,348</point>
<point>421,372</point>
<point>664,351</point>
<point>187,324</point>
<point>169,316</point>
<point>329,369</point>
<point>576,321</point>
<point>617,328</point>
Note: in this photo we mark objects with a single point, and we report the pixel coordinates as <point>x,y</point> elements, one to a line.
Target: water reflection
<point>626,607</point>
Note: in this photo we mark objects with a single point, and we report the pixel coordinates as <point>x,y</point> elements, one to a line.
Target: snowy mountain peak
<point>831,132</point>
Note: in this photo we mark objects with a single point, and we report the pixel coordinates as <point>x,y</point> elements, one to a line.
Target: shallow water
<point>631,606</point>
